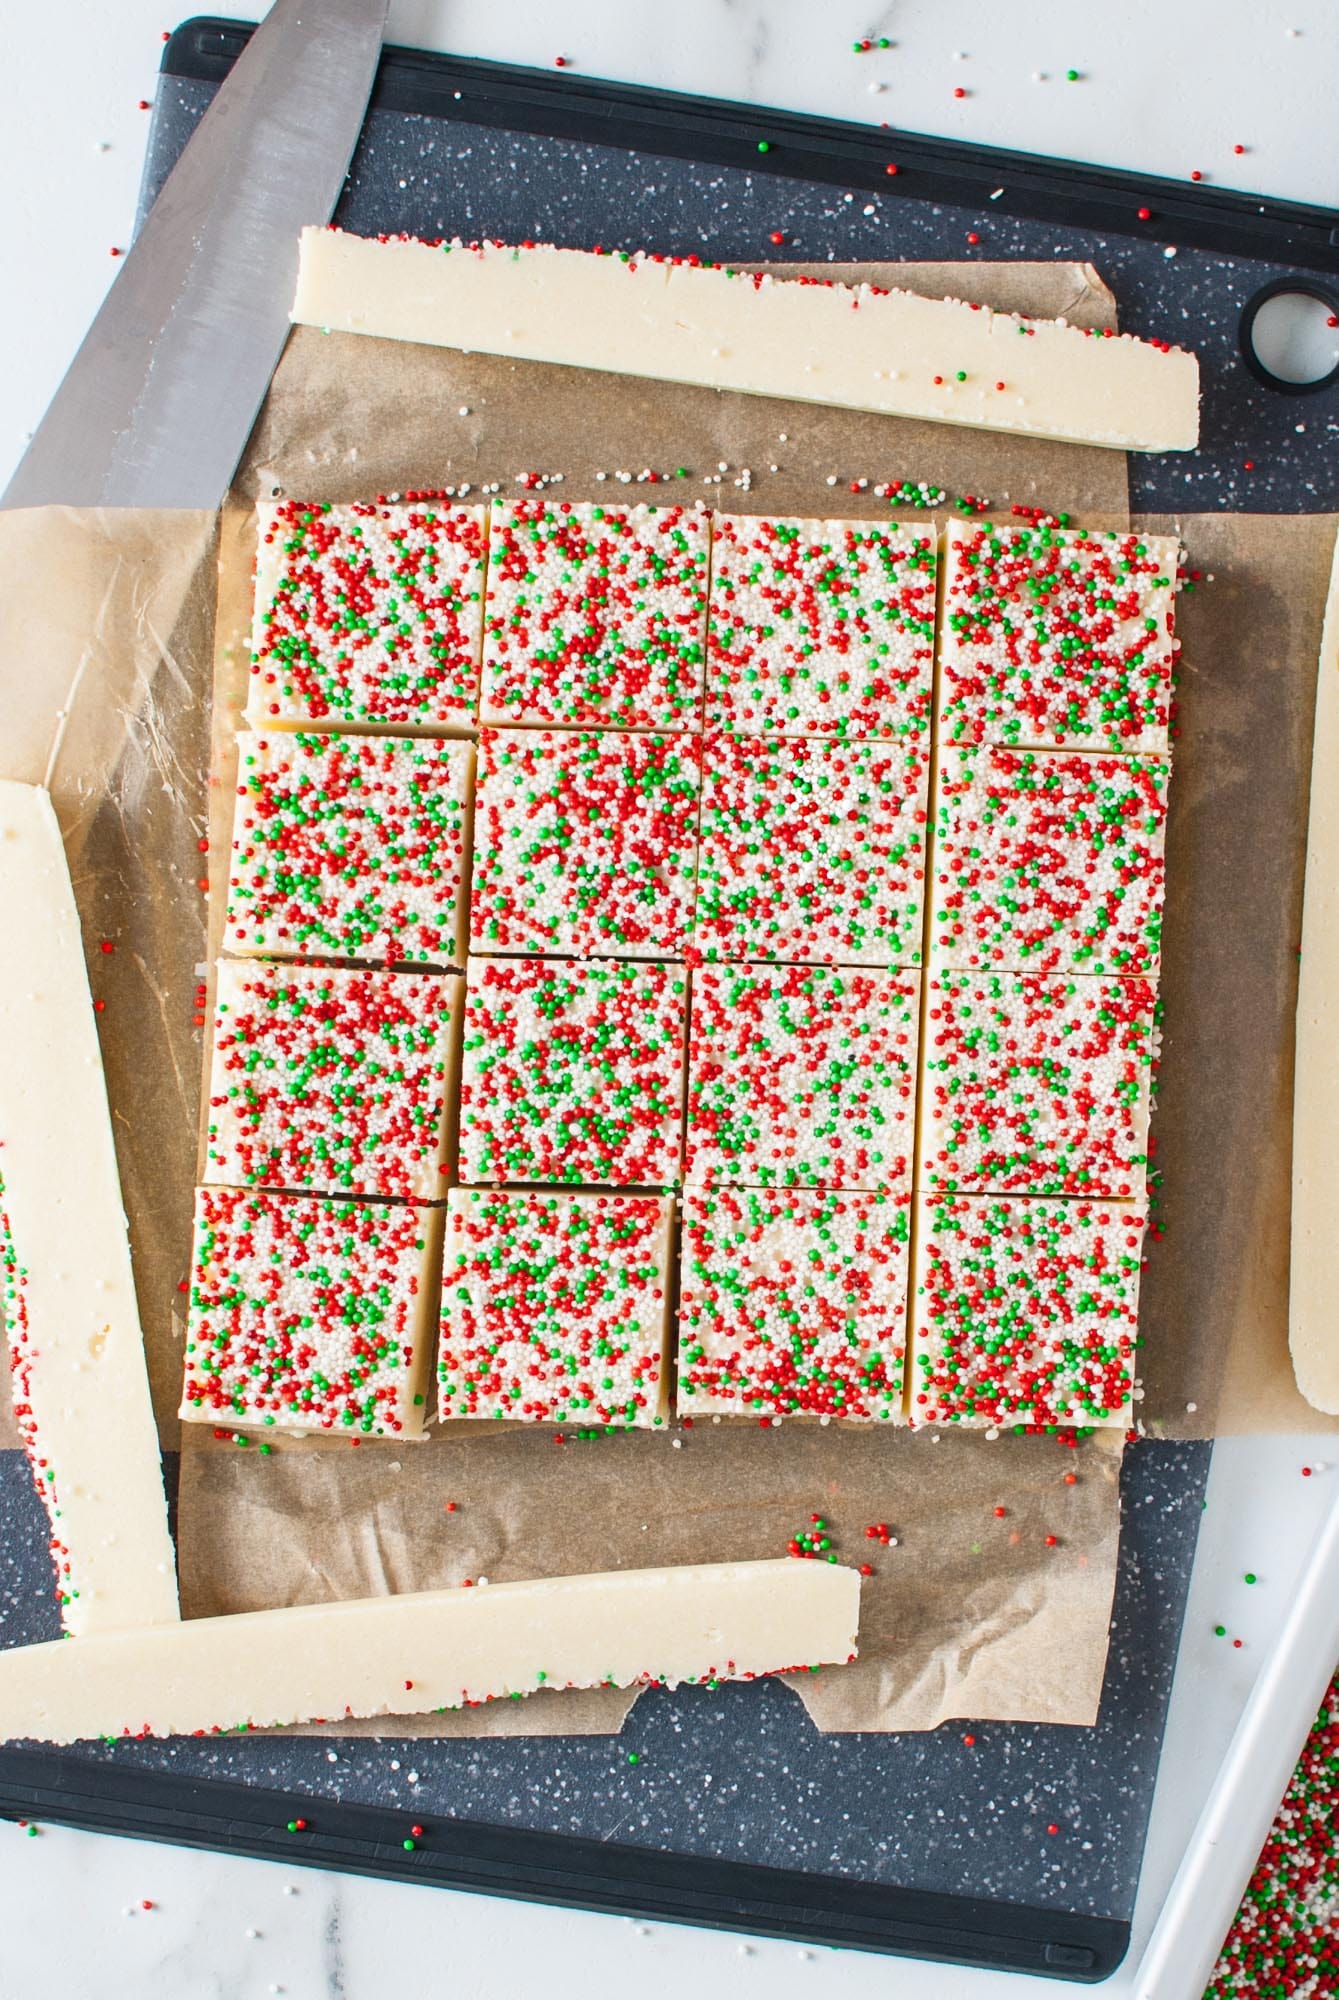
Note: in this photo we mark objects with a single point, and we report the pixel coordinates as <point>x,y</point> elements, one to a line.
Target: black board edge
<point>561,104</point>
<point>41,1784</point>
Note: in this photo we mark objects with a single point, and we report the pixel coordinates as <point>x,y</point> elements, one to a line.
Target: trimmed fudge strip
<point>802,1076</point>
<point>821,628</point>
<point>350,847</point>
<point>1024,1311</point>
<point>1057,637</point>
<point>792,1304</point>
<point>595,615</point>
<point>1047,862</point>
<point>367,614</point>
<point>554,1308</point>
<point>332,1080</point>
<point>812,851</point>
<point>572,1071</point>
<point>584,842</point>
<point>1036,1085</point>
<point>309,1314</point>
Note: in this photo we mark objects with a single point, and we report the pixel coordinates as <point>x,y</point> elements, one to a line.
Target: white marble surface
<point>1161,89</point>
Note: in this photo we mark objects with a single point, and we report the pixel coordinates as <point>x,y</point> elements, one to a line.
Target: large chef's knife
<point>160,399</point>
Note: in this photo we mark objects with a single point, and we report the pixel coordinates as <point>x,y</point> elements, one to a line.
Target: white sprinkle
<point>832,479</point>
<point>1170,251</point>
<point>464,410</point>
<point>995,194</point>
<point>1191,1408</point>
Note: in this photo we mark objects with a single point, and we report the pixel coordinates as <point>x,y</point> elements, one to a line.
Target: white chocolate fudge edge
<point>82,1351</point>
<point>852,346</point>
<point>420,1652</point>
<point>1313,1316</point>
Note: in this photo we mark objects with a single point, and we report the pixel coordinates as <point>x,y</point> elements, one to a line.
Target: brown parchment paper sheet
<point>110,619</point>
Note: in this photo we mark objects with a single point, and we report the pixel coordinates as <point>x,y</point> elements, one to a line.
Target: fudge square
<point>792,1304</point>
<point>1048,862</point>
<point>812,851</point>
<point>584,842</point>
<point>350,847</point>
<point>309,1314</point>
<point>338,1080</point>
<point>1036,1084</point>
<point>820,627</point>
<point>595,615</point>
<point>1057,637</point>
<point>572,1071</point>
<point>554,1307</point>
<point>366,615</point>
<point>802,1076</point>
<point>1024,1311</point>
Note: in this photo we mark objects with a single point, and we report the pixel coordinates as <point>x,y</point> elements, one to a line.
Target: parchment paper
<point>109,619</point>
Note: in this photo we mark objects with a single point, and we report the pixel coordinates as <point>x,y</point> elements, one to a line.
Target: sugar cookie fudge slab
<point>595,615</point>
<point>350,847</point>
<point>792,1304</point>
<point>1057,637</point>
<point>554,1307</point>
<point>1024,1311</point>
<point>572,1071</point>
<point>821,628</point>
<point>309,1314</point>
<point>811,851</point>
<point>584,842</point>
<point>1048,861</point>
<point>802,1076</point>
<point>423,1651</point>
<point>75,1345</point>
<point>367,615</point>
<point>1036,1085</point>
<point>339,1080</point>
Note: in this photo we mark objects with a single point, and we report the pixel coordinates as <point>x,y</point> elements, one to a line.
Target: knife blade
<point>159,401</point>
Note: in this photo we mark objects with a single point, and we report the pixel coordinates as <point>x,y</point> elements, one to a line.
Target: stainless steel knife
<point>158,403</point>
